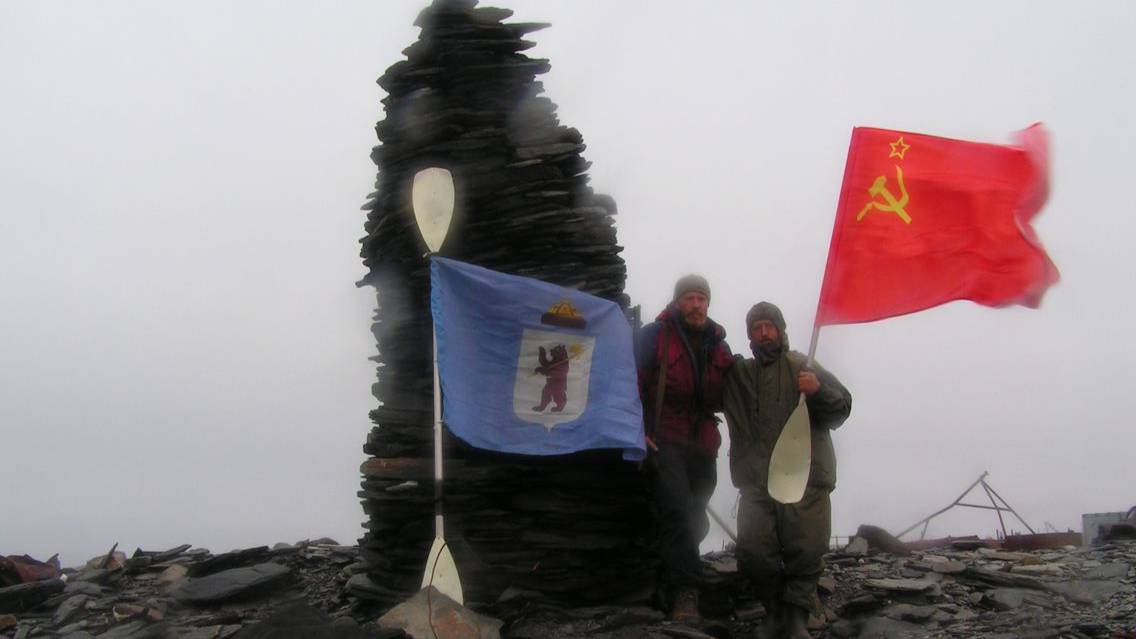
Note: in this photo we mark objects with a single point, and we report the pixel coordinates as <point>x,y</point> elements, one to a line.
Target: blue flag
<point>530,367</point>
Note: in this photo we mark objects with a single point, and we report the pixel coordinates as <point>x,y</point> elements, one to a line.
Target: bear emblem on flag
<point>553,368</point>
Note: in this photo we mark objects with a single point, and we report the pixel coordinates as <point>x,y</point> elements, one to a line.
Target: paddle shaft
<point>437,442</point>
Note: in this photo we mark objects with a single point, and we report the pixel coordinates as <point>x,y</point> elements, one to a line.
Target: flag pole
<point>813,345</point>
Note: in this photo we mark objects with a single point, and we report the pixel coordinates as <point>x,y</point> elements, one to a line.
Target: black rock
<point>23,597</point>
<point>138,630</point>
<point>70,609</point>
<point>301,621</point>
<point>232,585</point>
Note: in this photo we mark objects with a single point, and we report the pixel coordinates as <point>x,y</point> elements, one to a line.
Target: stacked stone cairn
<point>575,528</point>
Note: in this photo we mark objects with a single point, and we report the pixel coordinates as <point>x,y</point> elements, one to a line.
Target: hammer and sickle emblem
<point>890,203</point>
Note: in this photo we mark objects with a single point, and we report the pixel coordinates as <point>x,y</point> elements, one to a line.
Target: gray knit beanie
<point>692,283</point>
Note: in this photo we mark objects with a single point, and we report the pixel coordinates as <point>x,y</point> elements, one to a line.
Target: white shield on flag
<point>552,377</point>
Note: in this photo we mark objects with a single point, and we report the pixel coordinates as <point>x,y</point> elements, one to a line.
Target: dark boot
<point>773,626</point>
<point>685,609</point>
<point>796,622</point>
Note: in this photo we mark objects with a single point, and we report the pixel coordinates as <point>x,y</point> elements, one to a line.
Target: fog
<point>183,352</point>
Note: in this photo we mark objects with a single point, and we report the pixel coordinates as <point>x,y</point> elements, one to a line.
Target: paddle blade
<point>442,572</point>
<point>792,458</point>
<point>432,196</point>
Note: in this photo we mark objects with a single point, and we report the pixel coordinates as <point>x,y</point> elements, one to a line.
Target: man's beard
<point>766,351</point>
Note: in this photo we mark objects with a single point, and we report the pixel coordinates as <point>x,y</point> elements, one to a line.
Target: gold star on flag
<point>898,148</point>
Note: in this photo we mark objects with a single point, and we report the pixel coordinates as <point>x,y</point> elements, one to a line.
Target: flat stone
<point>173,575</point>
<point>429,611</point>
<point>78,626</point>
<point>1086,591</point>
<point>842,629</point>
<point>228,560</point>
<point>70,609</point>
<point>301,621</point>
<point>948,567</point>
<point>22,597</point>
<point>860,604</point>
<point>111,561</point>
<point>885,628</point>
<point>8,621</point>
<point>1001,555</point>
<point>1045,570</point>
<point>83,588</point>
<point>681,633</point>
<point>232,584</point>
<point>1004,598</point>
<point>858,547</point>
<point>92,575</point>
<point>826,584</point>
<point>997,578</point>
<point>908,612</point>
<point>900,585</point>
<point>137,630</point>
<point>880,539</point>
<point>1115,570</point>
<point>965,615</point>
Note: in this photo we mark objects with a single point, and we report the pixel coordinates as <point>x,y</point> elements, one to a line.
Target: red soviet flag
<point>924,220</point>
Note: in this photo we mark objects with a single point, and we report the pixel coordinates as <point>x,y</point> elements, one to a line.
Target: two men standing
<point>686,374</point>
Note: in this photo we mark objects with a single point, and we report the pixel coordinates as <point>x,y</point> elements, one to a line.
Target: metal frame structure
<point>995,498</point>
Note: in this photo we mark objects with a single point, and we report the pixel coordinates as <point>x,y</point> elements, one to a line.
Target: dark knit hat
<point>765,311</point>
<point>692,283</point>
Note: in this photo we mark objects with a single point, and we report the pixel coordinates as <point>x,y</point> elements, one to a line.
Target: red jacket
<point>691,397</point>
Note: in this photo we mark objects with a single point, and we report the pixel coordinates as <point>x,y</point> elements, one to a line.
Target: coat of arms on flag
<point>530,367</point>
<point>554,368</point>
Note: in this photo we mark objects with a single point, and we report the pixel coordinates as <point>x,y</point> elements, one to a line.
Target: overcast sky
<point>183,353</point>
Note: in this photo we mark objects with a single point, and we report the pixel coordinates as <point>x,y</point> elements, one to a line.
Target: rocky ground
<point>299,590</point>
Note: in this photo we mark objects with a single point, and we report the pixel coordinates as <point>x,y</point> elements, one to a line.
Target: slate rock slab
<point>70,609</point>
<point>1115,570</point>
<point>138,630</point>
<point>429,612</point>
<point>232,584</point>
<point>1086,591</point>
<point>24,596</point>
<point>948,567</point>
<point>885,628</point>
<point>900,585</point>
<point>1004,598</point>
<point>301,621</point>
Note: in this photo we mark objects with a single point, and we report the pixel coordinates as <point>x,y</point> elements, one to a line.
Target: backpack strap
<point>661,386</point>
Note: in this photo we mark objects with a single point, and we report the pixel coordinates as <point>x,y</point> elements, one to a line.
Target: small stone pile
<point>465,99</point>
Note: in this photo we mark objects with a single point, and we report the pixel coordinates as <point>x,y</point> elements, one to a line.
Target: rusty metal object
<point>1041,541</point>
<point>22,569</point>
<point>997,504</point>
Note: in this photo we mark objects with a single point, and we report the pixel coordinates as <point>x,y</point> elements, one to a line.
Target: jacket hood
<point>768,311</point>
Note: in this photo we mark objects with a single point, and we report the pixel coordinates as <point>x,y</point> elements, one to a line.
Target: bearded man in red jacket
<point>683,361</point>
